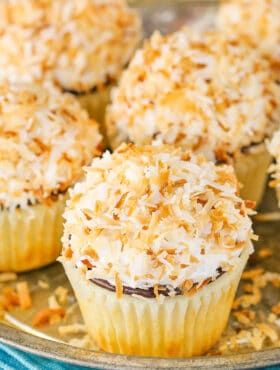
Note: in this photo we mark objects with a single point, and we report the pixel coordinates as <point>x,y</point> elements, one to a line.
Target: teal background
<point>11,359</point>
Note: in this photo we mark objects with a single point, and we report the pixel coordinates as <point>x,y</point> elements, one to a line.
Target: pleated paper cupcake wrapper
<point>95,103</point>
<point>31,238</point>
<point>251,170</point>
<point>277,191</point>
<point>180,326</point>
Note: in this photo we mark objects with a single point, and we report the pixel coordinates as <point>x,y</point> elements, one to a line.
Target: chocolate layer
<point>93,90</point>
<point>147,293</point>
<point>54,196</point>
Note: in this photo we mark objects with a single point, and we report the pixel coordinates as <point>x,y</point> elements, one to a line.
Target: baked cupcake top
<point>259,20</point>
<point>196,90</point>
<point>45,139</point>
<point>155,216</point>
<point>78,44</point>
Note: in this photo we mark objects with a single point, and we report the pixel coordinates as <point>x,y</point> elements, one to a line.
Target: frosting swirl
<point>45,139</point>
<point>156,216</point>
<point>77,44</point>
<point>259,20</point>
<point>196,90</point>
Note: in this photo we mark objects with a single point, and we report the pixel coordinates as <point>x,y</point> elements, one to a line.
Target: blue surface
<point>11,359</point>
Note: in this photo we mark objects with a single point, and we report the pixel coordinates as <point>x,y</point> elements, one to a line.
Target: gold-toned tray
<point>17,330</point>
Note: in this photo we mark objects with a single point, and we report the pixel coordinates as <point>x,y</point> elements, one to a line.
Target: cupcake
<point>45,139</point>
<point>154,244</point>
<point>203,93</point>
<point>274,149</point>
<point>81,46</point>
<point>258,20</point>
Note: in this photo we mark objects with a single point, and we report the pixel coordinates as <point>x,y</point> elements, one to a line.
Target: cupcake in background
<point>45,139</point>
<point>258,20</point>
<point>274,149</point>
<point>155,241</point>
<point>203,93</point>
<point>81,46</point>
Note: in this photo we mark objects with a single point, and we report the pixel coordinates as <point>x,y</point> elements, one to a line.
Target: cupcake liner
<point>180,326</point>
<point>277,192</point>
<point>95,103</point>
<point>31,238</point>
<point>251,170</point>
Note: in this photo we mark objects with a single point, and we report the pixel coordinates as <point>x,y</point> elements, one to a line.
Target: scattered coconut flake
<point>24,296</point>
<point>6,277</point>
<point>72,329</point>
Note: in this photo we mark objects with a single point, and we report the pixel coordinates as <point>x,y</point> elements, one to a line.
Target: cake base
<point>30,239</point>
<point>251,170</point>
<point>180,326</point>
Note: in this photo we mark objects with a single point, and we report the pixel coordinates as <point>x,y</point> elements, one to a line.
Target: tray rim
<point>101,360</point>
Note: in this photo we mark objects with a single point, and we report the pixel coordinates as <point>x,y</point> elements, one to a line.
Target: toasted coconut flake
<point>76,44</point>
<point>265,253</point>
<point>6,277</point>
<point>10,298</point>
<point>257,20</point>
<point>24,296</point>
<point>43,317</point>
<point>43,284</point>
<point>53,304</point>
<point>84,342</point>
<point>247,300</point>
<point>172,224</point>
<point>252,273</point>
<point>202,91</point>
<point>72,329</point>
<point>38,127</point>
<point>268,331</point>
<point>62,294</point>
<point>245,317</point>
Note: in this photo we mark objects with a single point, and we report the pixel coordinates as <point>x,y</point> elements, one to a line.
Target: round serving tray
<point>101,360</point>
<point>166,16</point>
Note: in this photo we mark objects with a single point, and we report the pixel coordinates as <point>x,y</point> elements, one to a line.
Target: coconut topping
<point>156,215</point>
<point>77,44</point>
<point>196,90</point>
<point>259,20</point>
<point>45,139</point>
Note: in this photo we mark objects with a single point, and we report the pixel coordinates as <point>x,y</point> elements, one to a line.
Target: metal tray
<point>17,330</point>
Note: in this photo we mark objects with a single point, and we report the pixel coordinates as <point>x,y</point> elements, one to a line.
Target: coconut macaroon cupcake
<point>45,139</point>
<point>155,241</point>
<point>80,45</point>
<point>202,92</point>
<point>259,20</point>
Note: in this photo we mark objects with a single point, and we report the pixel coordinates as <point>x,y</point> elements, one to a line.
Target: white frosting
<point>259,20</point>
<point>79,44</point>
<point>196,90</point>
<point>155,215</point>
<point>45,139</point>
